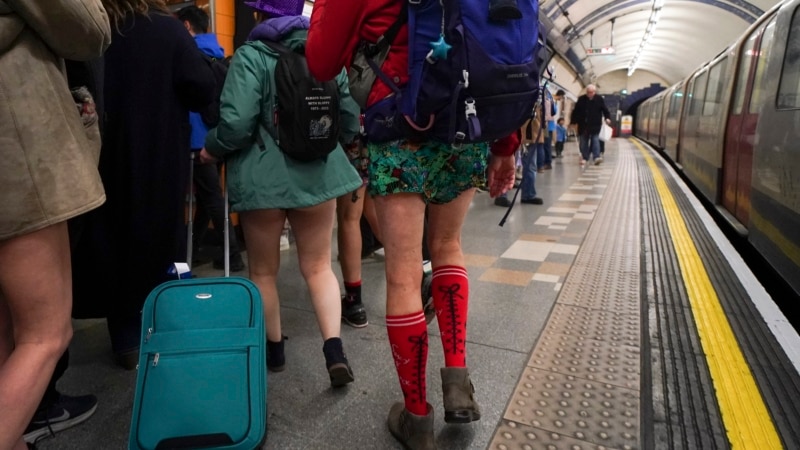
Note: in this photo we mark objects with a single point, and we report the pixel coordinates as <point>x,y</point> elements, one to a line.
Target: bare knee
<point>313,267</point>
<point>53,339</point>
<point>444,248</point>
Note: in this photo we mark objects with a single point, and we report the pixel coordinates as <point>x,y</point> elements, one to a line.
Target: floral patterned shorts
<point>437,171</point>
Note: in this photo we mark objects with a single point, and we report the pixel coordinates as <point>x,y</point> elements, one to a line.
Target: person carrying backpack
<point>279,133</point>
<point>205,177</point>
<point>408,173</point>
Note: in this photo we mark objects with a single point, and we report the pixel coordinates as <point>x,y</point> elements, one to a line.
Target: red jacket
<point>337,26</point>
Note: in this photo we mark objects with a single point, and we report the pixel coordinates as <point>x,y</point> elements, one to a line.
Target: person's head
<point>560,121</point>
<point>118,9</point>
<point>266,9</point>
<point>559,94</point>
<point>591,90</point>
<point>194,19</point>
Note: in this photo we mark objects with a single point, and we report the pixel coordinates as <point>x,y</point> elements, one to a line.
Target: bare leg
<point>262,230</point>
<point>348,234</point>
<point>36,284</point>
<point>444,230</point>
<point>372,217</point>
<point>401,220</point>
<point>313,228</point>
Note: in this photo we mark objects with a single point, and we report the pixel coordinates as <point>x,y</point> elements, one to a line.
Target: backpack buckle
<point>459,139</point>
<point>469,108</point>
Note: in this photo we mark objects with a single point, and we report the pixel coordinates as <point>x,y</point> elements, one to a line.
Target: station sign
<point>600,51</point>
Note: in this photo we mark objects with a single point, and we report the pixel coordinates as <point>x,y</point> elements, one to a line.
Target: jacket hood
<point>208,44</point>
<point>11,26</point>
<point>279,29</point>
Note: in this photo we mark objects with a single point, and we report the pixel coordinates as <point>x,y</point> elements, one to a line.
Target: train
<point>732,127</point>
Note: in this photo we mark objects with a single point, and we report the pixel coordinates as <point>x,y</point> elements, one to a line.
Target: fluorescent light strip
<point>655,15</point>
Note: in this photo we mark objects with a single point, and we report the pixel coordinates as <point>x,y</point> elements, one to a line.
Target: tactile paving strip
<point>581,387</point>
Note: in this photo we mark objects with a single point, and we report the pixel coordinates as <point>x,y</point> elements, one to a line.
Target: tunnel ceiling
<point>687,33</point>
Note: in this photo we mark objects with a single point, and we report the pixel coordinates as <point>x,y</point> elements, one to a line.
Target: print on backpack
<point>472,78</point>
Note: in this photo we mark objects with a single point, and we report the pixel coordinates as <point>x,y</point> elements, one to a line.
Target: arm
<point>606,113</point>
<point>240,104</point>
<point>332,36</point>
<point>74,29</point>
<point>349,112</point>
<point>502,166</point>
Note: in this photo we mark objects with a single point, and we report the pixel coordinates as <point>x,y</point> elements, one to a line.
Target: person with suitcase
<point>271,180</point>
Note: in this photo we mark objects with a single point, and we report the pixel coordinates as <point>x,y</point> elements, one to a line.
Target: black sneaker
<point>237,263</point>
<point>532,201</point>
<point>502,201</point>
<point>353,312</point>
<point>67,412</point>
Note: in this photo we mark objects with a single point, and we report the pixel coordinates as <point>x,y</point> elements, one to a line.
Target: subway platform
<point>616,315</point>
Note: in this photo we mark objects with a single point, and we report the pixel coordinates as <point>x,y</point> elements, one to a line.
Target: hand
<point>205,157</point>
<point>608,121</point>
<point>501,172</point>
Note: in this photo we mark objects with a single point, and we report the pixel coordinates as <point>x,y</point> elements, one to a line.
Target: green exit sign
<point>600,51</point>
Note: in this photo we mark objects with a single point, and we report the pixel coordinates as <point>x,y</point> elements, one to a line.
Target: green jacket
<point>267,179</point>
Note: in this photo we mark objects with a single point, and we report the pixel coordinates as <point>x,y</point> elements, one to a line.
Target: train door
<point>737,162</point>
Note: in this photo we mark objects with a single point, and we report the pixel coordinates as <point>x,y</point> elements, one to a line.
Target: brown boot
<point>459,402</point>
<point>413,431</point>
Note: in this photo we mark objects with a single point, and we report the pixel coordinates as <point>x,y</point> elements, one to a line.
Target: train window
<point>698,95</point>
<point>714,91</point>
<point>674,102</point>
<point>789,91</point>
<point>690,97</point>
<point>746,57</point>
<point>757,97</point>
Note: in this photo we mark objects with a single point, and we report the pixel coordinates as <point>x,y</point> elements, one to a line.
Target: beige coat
<point>48,162</point>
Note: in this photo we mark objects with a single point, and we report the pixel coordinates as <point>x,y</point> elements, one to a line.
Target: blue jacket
<point>207,43</point>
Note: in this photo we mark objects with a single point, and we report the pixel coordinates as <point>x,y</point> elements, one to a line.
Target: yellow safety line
<point>744,414</point>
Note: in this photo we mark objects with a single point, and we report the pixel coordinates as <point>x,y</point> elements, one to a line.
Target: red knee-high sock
<point>450,288</point>
<point>408,336</point>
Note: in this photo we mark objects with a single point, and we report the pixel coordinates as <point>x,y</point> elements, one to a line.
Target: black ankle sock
<point>354,291</point>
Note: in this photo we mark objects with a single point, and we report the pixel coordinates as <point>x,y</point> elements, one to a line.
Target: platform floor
<point>582,333</point>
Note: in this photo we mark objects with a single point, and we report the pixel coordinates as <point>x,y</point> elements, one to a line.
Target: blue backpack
<point>471,79</point>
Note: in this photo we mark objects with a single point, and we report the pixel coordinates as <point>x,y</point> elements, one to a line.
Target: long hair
<point>118,9</point>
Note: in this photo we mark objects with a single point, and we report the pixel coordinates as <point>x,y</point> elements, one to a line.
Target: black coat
<point>154,74</point>
<point>588,114</point>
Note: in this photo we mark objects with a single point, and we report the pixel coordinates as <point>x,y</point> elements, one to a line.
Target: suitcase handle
<point>196,441</point>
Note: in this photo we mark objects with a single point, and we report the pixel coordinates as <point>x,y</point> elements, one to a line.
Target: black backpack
<point>306,110</point>
<point>210,114</point>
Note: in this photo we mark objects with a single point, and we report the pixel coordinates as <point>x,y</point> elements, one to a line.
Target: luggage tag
<point>180,271</point>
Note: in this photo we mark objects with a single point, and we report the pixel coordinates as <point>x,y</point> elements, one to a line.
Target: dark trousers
<point>210,205</point>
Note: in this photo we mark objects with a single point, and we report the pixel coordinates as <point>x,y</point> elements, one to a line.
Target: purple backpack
<point>471,78</point>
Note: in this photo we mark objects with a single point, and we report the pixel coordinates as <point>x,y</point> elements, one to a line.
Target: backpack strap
<point>388,37</point>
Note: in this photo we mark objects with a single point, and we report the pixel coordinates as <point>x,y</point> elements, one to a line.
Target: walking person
<point>587,116</point>
<point>406,177</point>
<point>50,174</point>
<point>266,186</point>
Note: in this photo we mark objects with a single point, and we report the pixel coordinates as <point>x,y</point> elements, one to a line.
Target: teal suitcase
<point>201,381</point>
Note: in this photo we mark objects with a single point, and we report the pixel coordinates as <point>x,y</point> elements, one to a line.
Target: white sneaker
<point>583,161</point>
<point>598,160</point>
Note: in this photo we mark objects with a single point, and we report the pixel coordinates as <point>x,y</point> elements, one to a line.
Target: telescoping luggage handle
<point>226,241</point>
